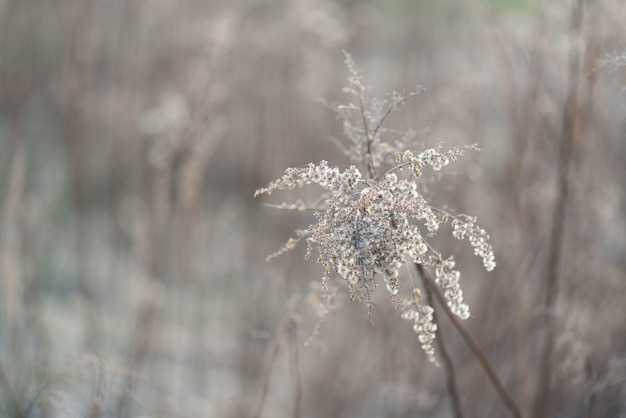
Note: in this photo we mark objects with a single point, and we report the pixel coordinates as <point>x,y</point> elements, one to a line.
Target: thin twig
<point>569,125</point>
<point>295,369</point>
<point>591,401</point>
<point>280,341</point>
<point>473,345</point>
<point>447,361</point>
<point>397,167</point>
<point>393,107</point>
<point>371,168</point>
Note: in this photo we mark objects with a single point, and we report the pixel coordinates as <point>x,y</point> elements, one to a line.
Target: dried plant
<point>374,216</point>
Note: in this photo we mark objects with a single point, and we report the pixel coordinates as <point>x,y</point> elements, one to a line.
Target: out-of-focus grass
<point>451,13</point>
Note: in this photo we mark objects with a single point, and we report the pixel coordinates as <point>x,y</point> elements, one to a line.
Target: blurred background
<point>133,135</point>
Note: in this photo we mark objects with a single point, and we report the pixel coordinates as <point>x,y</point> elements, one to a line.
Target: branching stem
<point>369,139</point>
<point>393,107</point>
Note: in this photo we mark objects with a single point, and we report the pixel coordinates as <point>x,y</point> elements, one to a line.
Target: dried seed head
<point>367,229</point>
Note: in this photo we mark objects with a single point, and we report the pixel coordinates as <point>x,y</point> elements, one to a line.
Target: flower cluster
<point>448,280</point>
<point>465,226</point>
<point>423,324</point>
<point>371,224</point>
<point>369,232</point>
<point>433,157</point>
<point>329,178</point>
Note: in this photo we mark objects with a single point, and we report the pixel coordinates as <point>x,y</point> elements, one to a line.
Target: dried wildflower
<point>371,224</point>
<point>465,226</point>
<point>448,280</point>
<point>424,327</point>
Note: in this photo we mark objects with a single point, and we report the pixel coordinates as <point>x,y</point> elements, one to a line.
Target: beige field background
<point>133,135</point>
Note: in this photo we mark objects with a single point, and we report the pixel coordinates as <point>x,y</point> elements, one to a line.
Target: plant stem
<point>295,369</point>
<point>369,138</point>
<point>568,133</point>
<point>447,361</point>
<point>473,345</point>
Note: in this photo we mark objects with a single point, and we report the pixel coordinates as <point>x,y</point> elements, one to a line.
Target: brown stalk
<point>75,125</point>
<point>201,133</point>
<point>285,330</point>
<point>295,370</point>
<point>441,348</point>
<point>153,244</point>
<point>369,139</point>
<point>570,121</point>
<point>472,343</point>
<point>12,242</point>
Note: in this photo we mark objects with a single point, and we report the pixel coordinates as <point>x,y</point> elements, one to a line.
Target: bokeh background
<point>133,134</point>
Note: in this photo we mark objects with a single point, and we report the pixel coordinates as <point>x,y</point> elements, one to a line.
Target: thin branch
<point>473,345</point>
<point>397,167</point>
<point>280,340</point>
<point>591,401</point>
<point>295,369</point>
<point>447,361</point>
<point>393,107</point>
<point>569,125</point>
<point>371,169</point>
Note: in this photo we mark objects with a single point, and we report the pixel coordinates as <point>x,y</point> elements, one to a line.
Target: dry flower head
<point>370,223</point>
